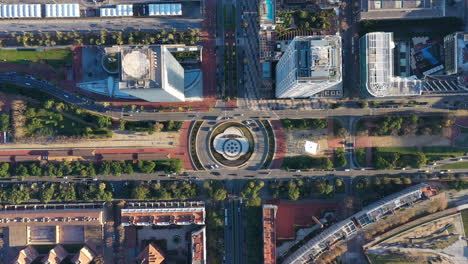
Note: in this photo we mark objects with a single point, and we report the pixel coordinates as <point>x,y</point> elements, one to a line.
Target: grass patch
<point>464,215</point>
<point>389,259</point>
<point>56,58</point>
<point>306,162</point>
<point>456,165</point>
<point>361,158</point>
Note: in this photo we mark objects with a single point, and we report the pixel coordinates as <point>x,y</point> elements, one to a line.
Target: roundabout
<point>231,144</point>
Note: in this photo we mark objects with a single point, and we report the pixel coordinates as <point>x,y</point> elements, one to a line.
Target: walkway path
<point>280,144</point>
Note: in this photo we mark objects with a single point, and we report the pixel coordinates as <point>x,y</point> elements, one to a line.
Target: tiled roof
<point>84,256</point>
<point>269,233</point>
<point>26,256</point>
<point>55,256</point>
<point>150,255</point>
<point>199,246</point>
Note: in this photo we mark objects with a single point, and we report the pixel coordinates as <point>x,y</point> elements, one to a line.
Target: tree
<point>5,122</point>
<point>47,193</point>
<point>220,194</point>
<point>140,192</point>
<point>5,170</point>
<point>104,121</point>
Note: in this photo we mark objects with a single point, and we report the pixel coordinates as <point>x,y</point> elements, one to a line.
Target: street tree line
<point>103,38</point>
<point>89,169</point>
<point>58,192</point>
<point>300,189</point>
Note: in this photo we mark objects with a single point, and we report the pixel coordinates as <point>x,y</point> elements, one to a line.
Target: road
<point>234,232</point>
<point>239,114</point>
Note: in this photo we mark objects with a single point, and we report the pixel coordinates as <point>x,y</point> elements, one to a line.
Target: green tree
<point>5,122</point>
<point>140,192</point>
<point>4,170</point>
<point>104,121</point>
<point>47,193</point>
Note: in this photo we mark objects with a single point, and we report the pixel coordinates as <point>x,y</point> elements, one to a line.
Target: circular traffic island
<point>231,144</point>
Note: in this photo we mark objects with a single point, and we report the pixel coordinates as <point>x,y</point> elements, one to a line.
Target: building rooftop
<point>317,58</point>
<point>198,239</point>
<point>51,214</point>
<point>150,255</point>
<point>377,73</point>
<point>84,256</point>
<point>163,213</point>
<point>26,256</point>
<point>150,73</point>
<point>401,9</point>
<point>55,256</point>
<point>269,233</point>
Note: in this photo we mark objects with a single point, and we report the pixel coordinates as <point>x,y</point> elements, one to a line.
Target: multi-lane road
<point>240,114</point>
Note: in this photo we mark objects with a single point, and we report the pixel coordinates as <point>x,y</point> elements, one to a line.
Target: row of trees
<point>299,189</point>
<point>47,192</point>
<point>409,125</point>
<point>27,39</point>
<point>307,162</point>
<point>250,192</point>
<point>304,123</point>
<point>392,160</point>
<point>215,190</point>
<point>90,169</point>
<point>371,189</point>
<point>313,21</point>
<point>164,191</point>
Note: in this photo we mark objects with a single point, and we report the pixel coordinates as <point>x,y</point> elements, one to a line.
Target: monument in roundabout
<point>232,144</point>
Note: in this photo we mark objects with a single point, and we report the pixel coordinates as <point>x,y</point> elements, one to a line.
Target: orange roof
<point>56,255</point>
<point>269,234</point>
<point>84,256</point>
<point>26,256</point>
<point>198,246</point>
<point>150,255</point>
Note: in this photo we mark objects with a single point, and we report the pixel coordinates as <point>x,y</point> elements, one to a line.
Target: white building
<point>20,11</point>
<point>377,73</point>
<point>62,10</point>
<point>174,9</point>
<point>151,73</point>
<point>117,11</point>
<point>309,66</point>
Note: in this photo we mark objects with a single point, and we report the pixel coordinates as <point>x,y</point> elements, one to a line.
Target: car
<point>216,165</point>
<point>298,170</point>
<point>28,84</point>
<point>346,170</point>
<point>215,173</point>
<point>95,179</point>
<point>66,96</point>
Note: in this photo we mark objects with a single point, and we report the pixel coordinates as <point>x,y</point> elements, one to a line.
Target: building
<point>21,11</point>
<point>267,10</point>
<point>198,246</point>
<point>163,213</point>
<point>55,256</point>
<point>398,9</point>
<point>387,205</point>
<point>117,11</point>
<point>188,215</point>
<point>84,256</point>
<point>62,10</point>
<point>309,66</point>
<point>346,228</point>
<point>151,73</point>
<point>377,68</point>
<point>150,255</point>
<point>26,256</point>
<point>269,233</point>
<point>456,56</point>
<point>169,9</point>
<point>50,224</point>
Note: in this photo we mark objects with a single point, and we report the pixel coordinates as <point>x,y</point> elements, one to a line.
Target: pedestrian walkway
<point>280,144</point>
